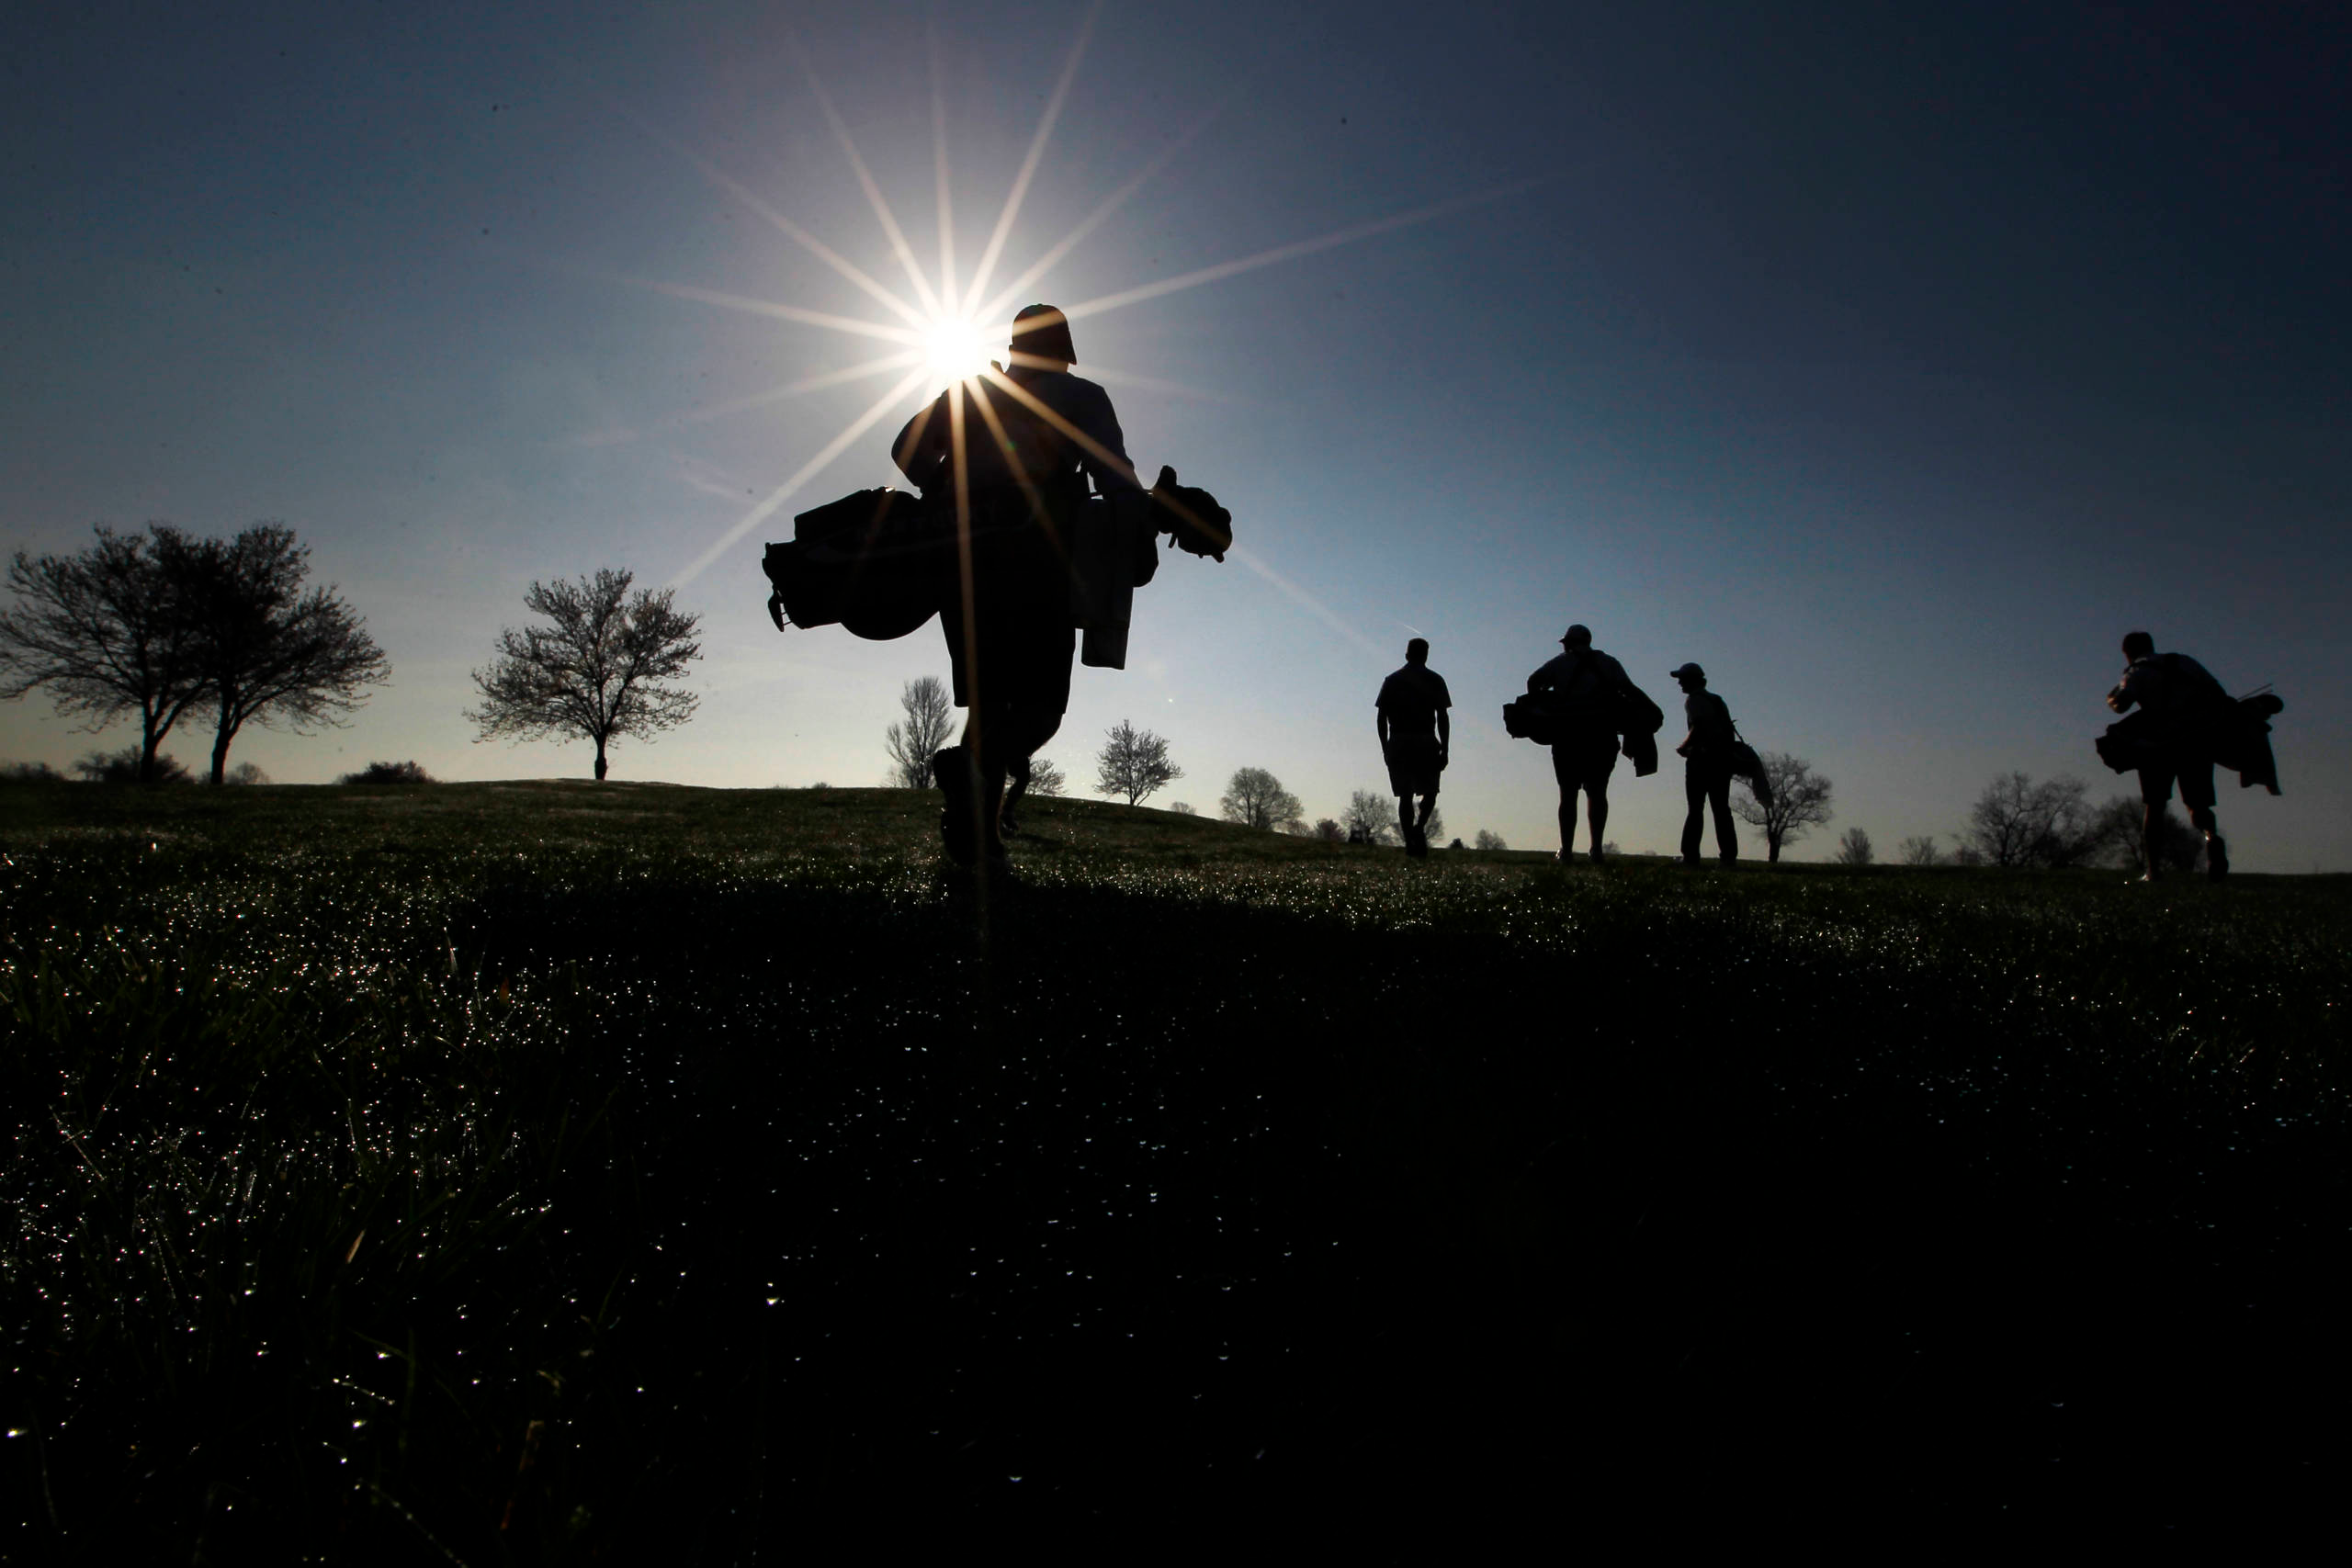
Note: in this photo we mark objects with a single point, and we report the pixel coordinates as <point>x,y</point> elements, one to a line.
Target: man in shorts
<point>2185,708</point>
<point>1416,738</point>
<point>1586,689</point>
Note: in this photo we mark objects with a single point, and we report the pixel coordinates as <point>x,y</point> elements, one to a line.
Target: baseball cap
<point>1686,669</point>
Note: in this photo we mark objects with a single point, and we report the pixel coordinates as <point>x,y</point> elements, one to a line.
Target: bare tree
<point>1372,816</point>
<point>1255,798</point>
<point>1134,762</point>
<point>1328,829</point>
<point>1488,839</point>
<point>1854,849</point>
<point>596,672</point>
<point>2018,822</point>
<point>2113,837</point>
<point>269,652</point>
<point>1046,779</point>
<point>1917,849</point>
<point>930,724</point>
<point>1800,801</point>
<point>106,633</point>
<point>1183,808</point>
<point>246,773</point>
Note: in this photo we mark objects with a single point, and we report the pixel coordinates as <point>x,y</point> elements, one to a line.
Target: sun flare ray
<point>784,225</point>
<point>939,171</point>
<point>1093,220</point>
<point>726,301</point>
<point>899,246</point>
<point>1292,251</point>
<point>1029,164</point>
<point>807,471</point>
<point>776,394</point>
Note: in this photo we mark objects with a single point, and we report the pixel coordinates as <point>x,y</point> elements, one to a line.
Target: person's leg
<point>2155,794</point>
<point>1429,809</point>
<point>1694,796</point>
<point>1719,797</point>
<point>2197,794</point>
<point>1011,735</point>
<point>1563,771</point>
<point>1602,762</point>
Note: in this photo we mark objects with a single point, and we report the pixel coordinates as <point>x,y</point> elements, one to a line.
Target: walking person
<point>1416,741</point>
<point>1706,752</point>
<point>1586,692</point>
<point>2187,712</point>
<point>1022,449</point>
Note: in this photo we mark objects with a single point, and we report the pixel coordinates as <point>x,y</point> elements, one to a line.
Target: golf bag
<point>882,562</point>
<point>2236,736</point>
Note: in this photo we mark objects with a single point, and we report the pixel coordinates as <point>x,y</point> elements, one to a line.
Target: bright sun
<point>953,347</point>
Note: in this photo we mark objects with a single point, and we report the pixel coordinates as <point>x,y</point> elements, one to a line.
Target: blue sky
<point>1890,366</point>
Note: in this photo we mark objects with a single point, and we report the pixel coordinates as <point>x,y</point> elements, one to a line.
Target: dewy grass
<point>528,1171</point>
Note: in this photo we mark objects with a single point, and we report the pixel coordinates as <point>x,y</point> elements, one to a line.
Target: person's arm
<point>2122,696</point>
<point>1106,461</point>
<point>1380,723</point>
<point>1444,736</point>
<point>922,443</point>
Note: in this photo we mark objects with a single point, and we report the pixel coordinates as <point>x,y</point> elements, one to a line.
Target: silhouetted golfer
<point>1586,689</point>
<point>1011,639</point>
<point>1416,738</point>
<point>2187,710</point>
<point>1706,766</point>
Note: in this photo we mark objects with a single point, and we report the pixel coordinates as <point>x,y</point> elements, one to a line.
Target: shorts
<point>2196,779</point>
<point>1585,762</point>
<point>1412,767</point>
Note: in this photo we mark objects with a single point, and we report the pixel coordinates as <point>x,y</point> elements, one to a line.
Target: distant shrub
<point>389,773</point>
<point>246,774</point>
<point>122,768</point>
<point>1918,849</point>
<point>1183,808</point>
<point>29,773</point>
<point>1489,840</point>
<point>1329,831</point>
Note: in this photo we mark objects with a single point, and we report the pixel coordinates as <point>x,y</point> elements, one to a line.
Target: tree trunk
<point>150,739</point>
<point>220,739</point>
<point>600,759</point>
<point>1772,849</point>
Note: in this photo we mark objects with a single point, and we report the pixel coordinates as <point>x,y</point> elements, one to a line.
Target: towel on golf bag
<point>2238,738</point>
<point>1746,764</point>
<point>1191,515</point>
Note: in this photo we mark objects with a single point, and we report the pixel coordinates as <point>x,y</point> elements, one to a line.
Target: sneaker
<point>2217,859</point>
<point>1595,857</point>
<point>955,776</point>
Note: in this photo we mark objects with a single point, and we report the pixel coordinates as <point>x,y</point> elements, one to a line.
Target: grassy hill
<point>538,1170</point>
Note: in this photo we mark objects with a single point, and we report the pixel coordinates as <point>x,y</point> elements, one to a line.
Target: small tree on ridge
<point>596,672</point>
<point>930,723</point>
<point>1255,798</point>
<point>1800,800</point>
<point>1134,762</point>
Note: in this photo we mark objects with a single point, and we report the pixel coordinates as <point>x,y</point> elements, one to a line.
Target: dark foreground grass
<point>542,1172</point>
